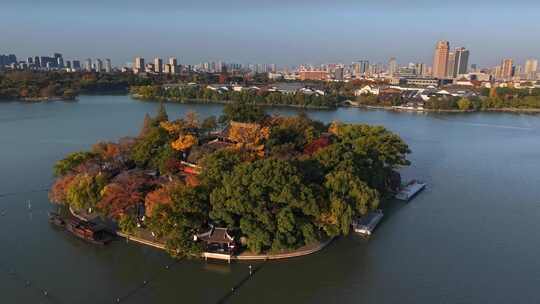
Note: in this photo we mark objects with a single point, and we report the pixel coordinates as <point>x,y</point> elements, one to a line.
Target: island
<point>246,183</point>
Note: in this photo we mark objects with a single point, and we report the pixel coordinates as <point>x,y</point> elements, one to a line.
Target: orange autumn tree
<point>173,127</point>
<point>249,135</point>
<point>106,150</point>
<point>183,129</point>
<point>158,197</point>
<point>334,127</point>
<point>184,142</point>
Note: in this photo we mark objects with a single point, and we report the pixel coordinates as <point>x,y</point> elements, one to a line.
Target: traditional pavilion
<point>217,240</point>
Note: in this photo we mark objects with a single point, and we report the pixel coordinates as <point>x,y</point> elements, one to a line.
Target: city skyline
<point>305,32</point>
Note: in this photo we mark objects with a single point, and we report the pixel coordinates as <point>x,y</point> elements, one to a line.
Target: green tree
<point>270,203</point>
<point>71,161</point>
<point>349,197</point>
<point>152,149</point>
<point>242,112</point>
<point>216,165</point>
<point>85,190</point>
<point>179,221</point>
<point>464,104</point>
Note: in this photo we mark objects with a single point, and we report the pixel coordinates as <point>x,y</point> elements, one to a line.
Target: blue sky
<point>282,32</point>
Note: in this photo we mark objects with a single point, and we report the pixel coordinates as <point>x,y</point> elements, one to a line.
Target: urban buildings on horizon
<point>448,64</point>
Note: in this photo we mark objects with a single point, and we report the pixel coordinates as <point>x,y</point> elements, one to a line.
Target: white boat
<point>410,190</point>
<point>366,224</point>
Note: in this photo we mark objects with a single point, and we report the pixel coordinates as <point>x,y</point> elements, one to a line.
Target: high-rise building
<point>167,68</point>
<point>99,65</point>
<point>338,74</point>
<point>356,69</point>
<point>518,69</point>
<point>364,67</point>
<point>158,65</point>
<point>462,61</point>
<point>531,69</point>
<point>440,59</point>
<point>420,69</point>
<point>108,66</point>
<point>88,65</point>
<point>360,68</point>
<point>392,66</point>
<point>451,65</point>
<point>174,65</point>
<point>138,65</point>
<point>43,61</point>
<point>507,69</point>
<point>58,60</point>
<point>76,65</point>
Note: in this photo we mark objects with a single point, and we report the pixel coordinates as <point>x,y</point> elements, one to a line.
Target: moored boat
<point>409,190</point>
<point>56,219</point>
<point>89,231</point>
<point>366,224</point>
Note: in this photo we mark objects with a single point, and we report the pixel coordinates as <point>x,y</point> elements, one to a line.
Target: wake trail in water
<point>488,125</point>
<point>497,126</point>
<point>5,194</point>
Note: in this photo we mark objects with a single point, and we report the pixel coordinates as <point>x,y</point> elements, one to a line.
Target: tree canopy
<point>278,183</point>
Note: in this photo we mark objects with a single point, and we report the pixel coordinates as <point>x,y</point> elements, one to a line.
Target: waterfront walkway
<point>144,237</point>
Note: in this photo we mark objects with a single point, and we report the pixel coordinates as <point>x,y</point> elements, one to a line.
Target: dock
<point>366,224</point>
<point>410,190</point>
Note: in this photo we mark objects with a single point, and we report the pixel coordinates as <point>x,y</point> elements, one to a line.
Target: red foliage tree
<point>192,180</point>
<point>57,194</point>
<point>316,145</point>
<point>122,195</point>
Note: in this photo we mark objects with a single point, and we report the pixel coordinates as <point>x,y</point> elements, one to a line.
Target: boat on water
<point>410,190</point>
<point>56,219</point>
<point>366,224</point>
<point>88,231</point>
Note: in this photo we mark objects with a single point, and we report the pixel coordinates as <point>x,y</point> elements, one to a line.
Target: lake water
<point>469,238</point>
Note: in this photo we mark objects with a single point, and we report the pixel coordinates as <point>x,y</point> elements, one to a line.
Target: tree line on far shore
<point>200,93</point>
<point>17,85</point>
<point>495,98</point>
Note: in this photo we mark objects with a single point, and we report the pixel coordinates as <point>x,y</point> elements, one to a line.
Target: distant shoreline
<point>499,110</point>
<point>203,101</point>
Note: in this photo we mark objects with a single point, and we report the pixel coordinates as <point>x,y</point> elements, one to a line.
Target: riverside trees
<point>296,182</point>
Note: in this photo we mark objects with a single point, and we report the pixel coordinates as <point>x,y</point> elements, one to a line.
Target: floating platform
<point>410,190</point>
<point>366,224</point>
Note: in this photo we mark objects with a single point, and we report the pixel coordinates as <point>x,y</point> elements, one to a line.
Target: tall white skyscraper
<point>88,65</point>
<point>174,65</point>
<point>158,65</point>
<point>138,66</point>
